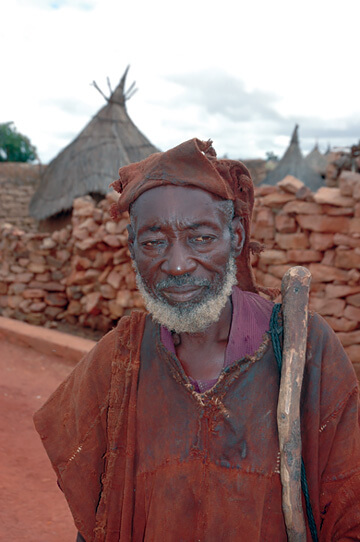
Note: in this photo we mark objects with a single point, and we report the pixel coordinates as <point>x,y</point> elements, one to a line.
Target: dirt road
<point>32,508</point>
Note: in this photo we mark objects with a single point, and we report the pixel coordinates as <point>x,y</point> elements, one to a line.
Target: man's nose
<point>178,260</point>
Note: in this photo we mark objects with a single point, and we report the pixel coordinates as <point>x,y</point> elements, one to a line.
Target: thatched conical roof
<point>328,150</point>
<point>293,163</point>
<point>91,162</point>
<point>317,161</point>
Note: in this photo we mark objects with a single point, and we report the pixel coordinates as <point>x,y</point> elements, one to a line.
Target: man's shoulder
<point>327,357</point>
<point>321,335</point>
<point>252,297</point>
<point>91,378</point>
<point>113,349</point>
<point>126,336</point>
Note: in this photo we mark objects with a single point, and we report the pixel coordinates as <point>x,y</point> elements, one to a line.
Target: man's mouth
<point>181,294</point>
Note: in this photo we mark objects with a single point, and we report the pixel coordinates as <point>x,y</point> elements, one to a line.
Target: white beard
<point>190,317</point>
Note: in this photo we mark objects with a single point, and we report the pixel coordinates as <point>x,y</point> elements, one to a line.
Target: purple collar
<point>250,321</point>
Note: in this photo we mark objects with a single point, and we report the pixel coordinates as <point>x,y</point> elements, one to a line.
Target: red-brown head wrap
<point>194,163</point>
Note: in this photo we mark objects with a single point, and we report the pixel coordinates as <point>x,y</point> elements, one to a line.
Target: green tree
<point>271,156</point>
<point>15,147</point>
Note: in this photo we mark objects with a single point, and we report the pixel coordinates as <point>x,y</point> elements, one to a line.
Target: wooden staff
<point>295,295</point>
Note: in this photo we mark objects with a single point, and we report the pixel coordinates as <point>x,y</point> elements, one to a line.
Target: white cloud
<point>242,73</point>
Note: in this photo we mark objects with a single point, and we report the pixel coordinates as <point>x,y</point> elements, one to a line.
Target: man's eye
<point>152,243</point>
<point>203,239</point>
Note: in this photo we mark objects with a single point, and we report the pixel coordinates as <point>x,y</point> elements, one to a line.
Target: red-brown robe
<point>141,456</point>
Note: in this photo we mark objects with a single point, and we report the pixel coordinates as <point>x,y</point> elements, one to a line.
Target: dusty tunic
<point>141,456</point>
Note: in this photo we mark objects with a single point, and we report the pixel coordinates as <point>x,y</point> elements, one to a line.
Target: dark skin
<point>184,230</point>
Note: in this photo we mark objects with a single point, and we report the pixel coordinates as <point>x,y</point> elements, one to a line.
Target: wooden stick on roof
<point>122,96</point>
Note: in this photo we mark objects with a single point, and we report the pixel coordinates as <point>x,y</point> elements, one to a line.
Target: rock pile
<point>82,274</point>
<point>17,186</point>
<point>101,285</point>
<point>322,232</point>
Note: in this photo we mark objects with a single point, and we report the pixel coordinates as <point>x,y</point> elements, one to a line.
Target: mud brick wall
<point>320,231</point>
<point>17,186</point>
<point>82,274</point>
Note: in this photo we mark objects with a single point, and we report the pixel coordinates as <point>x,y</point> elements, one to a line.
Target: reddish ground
<point>32,508</point>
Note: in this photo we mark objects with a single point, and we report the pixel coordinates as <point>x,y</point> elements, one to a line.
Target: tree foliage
<point>270,156</point>
<point>15,147</point>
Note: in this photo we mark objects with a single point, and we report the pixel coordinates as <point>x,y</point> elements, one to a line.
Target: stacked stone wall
<point>17,186</point>
<point>82,274</point>
<point>320,231</point>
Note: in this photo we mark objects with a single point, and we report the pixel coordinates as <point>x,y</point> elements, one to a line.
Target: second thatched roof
<point>293,163</point>
<point>317,161</point>
<point>91,162</point>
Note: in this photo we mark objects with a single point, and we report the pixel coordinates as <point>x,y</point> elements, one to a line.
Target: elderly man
<point>167,430</point>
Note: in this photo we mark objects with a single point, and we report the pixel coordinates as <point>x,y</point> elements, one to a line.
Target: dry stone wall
<point>17,186</point>
<point>82,274</point>
<point>79,274</point>
<point>322,232</point>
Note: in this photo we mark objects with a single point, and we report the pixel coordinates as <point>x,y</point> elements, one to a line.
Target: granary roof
<point>316,160</point>
<point>293,163</point>
<point>91,161</point>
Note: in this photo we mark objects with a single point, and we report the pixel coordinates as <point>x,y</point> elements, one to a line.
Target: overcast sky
<point>240,73</point>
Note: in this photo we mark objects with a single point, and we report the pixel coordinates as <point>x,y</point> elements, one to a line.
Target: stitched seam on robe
<point>230,373</point>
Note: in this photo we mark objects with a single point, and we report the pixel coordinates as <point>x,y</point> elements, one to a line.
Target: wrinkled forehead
<point>181,203</point>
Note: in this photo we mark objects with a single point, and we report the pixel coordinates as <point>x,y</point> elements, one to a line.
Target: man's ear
<point>239,235</point>
<point>131,238</point>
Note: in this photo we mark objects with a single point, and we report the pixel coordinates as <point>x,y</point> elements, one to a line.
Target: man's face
<point>181,244</point>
